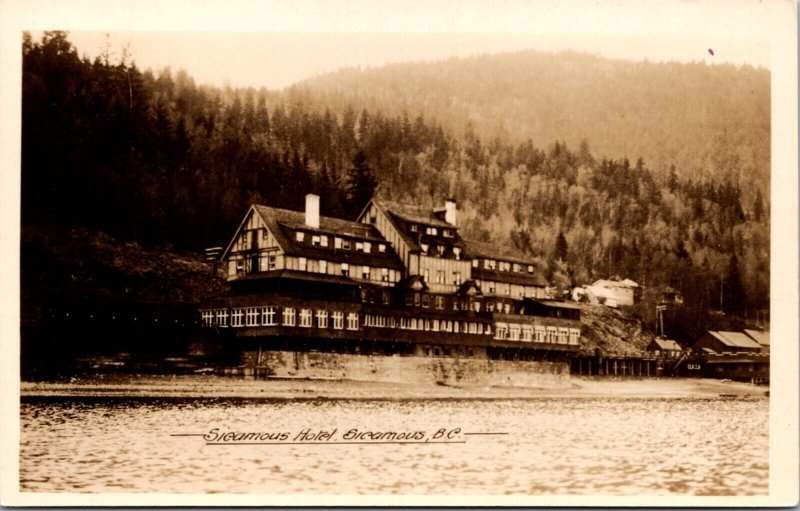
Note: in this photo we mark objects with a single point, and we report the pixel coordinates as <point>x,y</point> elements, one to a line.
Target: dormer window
<point>431,231</point>
<point>424,247</point>
<point>530,268</point>
<point>476,263</point>
<point>440,249</point>
<point>323,241</point>
<point>300,236</point>
<point>457,252</point>
<point>337,242</point>
<point>381,248</point>
<point>345,269</point>
<point>447,233</point>
<point>367,247</point>
<point>315,240</point>
<point>346,244</point>
<point>359,246</point>
<point>414,228</point>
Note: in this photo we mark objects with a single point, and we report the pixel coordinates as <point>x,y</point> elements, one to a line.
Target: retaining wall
<point>406,369</point>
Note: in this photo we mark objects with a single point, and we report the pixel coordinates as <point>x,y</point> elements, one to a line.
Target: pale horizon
<point>278,60</point>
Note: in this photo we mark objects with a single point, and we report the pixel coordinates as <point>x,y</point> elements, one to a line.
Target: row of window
<point>270,315</point>
<point>430,325</point>
<point>432,231</point>
<point>440,277</point>
<point>491,264</point>
<point>322,240</point>
<point>356,271</point>
<point>530,333</point>
<point>427,301</point>
<point>504,288</point>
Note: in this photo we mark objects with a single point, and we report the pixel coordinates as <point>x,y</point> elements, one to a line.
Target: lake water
<point>572,446</point>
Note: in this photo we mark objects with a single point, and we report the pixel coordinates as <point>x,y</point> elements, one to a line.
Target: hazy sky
<point>276,43</point>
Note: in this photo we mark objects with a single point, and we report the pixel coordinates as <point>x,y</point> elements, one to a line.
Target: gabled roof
<point>735,339</point>
<point>283,223</point>
<point>414,282</point>
<point>614,283</point>
<point>479,249</point>
<point>760,337</point>
<point>414,214</point>
<point>467,286</point>
<point>667,344</point>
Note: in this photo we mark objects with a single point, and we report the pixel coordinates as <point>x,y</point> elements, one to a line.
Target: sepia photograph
<point>354,253</point>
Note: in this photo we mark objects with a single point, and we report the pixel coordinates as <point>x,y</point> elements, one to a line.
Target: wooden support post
<point>615,367</point>
<point>580,366</point>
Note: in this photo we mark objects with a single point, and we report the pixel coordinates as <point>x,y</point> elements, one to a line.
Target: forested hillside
<point>708,121</point>
<point>155,158</point>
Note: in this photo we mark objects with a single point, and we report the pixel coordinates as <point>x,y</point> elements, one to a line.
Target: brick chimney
<point>450,211</point>
<point>312,210</point>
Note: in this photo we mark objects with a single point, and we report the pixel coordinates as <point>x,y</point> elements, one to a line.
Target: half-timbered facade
<point>400,280</point>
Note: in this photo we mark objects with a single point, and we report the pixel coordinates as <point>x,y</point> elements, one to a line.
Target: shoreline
<point>212,386</point>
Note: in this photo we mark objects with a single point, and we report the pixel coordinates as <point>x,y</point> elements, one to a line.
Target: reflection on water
<point>553,446</point>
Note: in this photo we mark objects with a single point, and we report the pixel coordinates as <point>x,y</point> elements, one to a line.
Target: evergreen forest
<point>153,157</point>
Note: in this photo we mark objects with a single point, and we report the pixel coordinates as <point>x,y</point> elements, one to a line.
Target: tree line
<point>153,157</point>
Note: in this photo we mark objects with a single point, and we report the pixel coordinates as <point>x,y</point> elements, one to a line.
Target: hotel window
<point>363,295</point>
<point>385,297</point>
<point>516,267</point>
<point>426,301</point>
<point>299,236</point>
<point>563,336</point>
<point>315,240</point>
<point>527,333</point>
<point>457,278</point>
<point>552,334</point>
<point>252,316</point>
<point>491,287</point>
<point>381,248</point>
<point>208,317</point>
<point>455,327</point>
<point>305,318</point>
<point>574,336</point>
<point>431,231</point>
<point>323,266</point>
<point>502,331</point>
<point>271,262</point>
<point>303,264</point>
<point>507,308</point>
<point>267,315</point>
<point>530,268</point>
<point>289,316</point>
<point>426,275</point>
<point>513,332</point>
<point>506,289</point>
<point>337,242</point>
<point>359,246</point>
<point>367,247</point>
<point>323,240</point>
<point>424,247</point>
<point>414,228</point>
<point>338,320</point>
<point>440,302</point>
<point>447,233</point>
<point>365,272</point>
<point>352,321</point>
<point>385,274</point>
<point>440,276</point>
<point>346,244</point>
<point>322,319</point>
<point>222,317</point>
<point>409,299</point>
<point>490,306</point>
<point>237,317</point>
<point>416,299</point>
<point>539,334</point>
<point>345,269</point>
